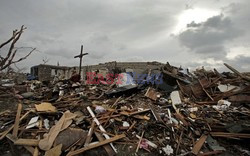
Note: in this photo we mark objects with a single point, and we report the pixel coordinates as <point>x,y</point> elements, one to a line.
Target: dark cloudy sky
<point>190,33</point>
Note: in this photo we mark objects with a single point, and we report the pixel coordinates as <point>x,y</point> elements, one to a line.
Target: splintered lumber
<point>116,101</point>
<point>89,135</point>
<point>36,152</point>
<point>155,114</point>
<point>230,135</point>
<point>211,153</point>
<point>7,131</point>
<point>28,142</point>
<point>137,148</point>
<point>237,72</point>
<point>134,113</point>
<point>152,94</point>
<point>13,139</point>
<point>107,148</point>
<point>81,150</point>
<point>100,127</point>
<point>55,151</point>
<point>16,125</point>
<point>133,124</point>
<point>199,144</point>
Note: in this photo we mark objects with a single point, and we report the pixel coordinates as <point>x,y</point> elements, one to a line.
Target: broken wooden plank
<point>7,131</point>
<point>133,124</point>
<point>100,127</point>
<point>230,135</point>
<point>55,151</point>
<point>137,148</point>
<point>205,91</point>
<point>239,98</point>
<point>155,114</point>
<point>45,107</point>
<point>152,94</point>
<point>90,133</point>
<point>210,153</point>
<point>27,142</point>
<point>237,72</point>
<point>17,120</point>
<point>199,144</point>
<point>179,142</point>
<point>134,113</point>
<point>36,152</point>
<point>107,147</point>
<point>13,139</point>
<point>81,150</point>
<point>116,101</point>
<point>179,116</point>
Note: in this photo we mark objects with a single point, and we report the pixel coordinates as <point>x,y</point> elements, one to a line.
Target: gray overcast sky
<point>190,33</point>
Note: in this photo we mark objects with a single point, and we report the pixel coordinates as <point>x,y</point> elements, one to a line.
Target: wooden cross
<point>80,56</point>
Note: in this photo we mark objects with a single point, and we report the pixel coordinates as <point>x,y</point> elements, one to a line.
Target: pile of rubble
<point>199,113</point>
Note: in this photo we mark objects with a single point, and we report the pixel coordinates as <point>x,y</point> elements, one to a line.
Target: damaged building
<point>48,72</point>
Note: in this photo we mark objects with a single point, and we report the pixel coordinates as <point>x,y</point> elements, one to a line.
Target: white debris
<point>140,109</point>
<point>46,123</point>
<point>148,142</point>
<point>222,105</point>
<point>32,86</point>
<point>168,150</point>
<point>174,120</point>
<point>226,88</point>
<point>100,109</point>
<point>194,109</point>
<point>33,122</point>
<point>163,101</point>
<point>61,93</point>
<point>175,98</point>
<point>125,124</point>
<point>167,138</point>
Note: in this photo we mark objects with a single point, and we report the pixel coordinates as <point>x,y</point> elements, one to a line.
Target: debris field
<point>199,113</point>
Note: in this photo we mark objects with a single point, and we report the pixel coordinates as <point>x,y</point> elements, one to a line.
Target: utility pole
<point>80,56</point>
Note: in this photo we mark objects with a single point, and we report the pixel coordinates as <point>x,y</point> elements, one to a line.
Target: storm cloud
<point>127,30</point>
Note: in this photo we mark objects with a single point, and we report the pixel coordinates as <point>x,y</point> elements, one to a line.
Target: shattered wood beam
<point>36,152</point>
<point>237,72</point>
<point>107,121</point>
<point>211,153</point>
<point>97,130</point>
<point>13,139</point>
<point>230,135</point>
<point>107,147</point>
<point>117,137</point>
<point>116,101</point>
<point>16,125</point>
<point>205,90</point>
<point>179,142</point>
<point>133,124</point>
<point>171,122</point>
<point>138,146</point>
<point>134,113</point>
<point>7,131</point>
<point>100,127</point>
<point>199,144</point>
<point>90,133</point>
<point>27,142</point>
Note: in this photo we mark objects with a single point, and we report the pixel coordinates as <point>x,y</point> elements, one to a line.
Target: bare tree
<point>7,61</point>
<point>45,60</point>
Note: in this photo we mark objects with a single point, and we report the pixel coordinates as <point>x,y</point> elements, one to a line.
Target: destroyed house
<point>47,72</point>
